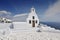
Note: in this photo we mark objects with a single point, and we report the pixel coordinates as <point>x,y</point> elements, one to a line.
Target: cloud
<point>20,17</point>
<point>5,14</point>
<point>52,13</point>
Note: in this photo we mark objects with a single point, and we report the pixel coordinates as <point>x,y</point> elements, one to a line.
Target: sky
<point>45,9</point>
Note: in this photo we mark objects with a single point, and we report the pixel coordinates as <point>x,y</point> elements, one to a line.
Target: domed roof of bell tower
<point>32,9</point>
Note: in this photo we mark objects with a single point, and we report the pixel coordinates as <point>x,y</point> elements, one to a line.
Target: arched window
<point>29,21</point>
<point>36,21</point>
<point>33,17</point>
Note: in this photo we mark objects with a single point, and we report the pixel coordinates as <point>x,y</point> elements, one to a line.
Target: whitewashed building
<point>32,19</point>
<point>5,20</point>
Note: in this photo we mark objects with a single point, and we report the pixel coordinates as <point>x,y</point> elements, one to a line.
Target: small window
<point>36,21</point>
<point>30,21</point>
<point>33,17</point>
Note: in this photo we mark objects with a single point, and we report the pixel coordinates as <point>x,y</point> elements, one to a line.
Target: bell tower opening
<point>33,10</point>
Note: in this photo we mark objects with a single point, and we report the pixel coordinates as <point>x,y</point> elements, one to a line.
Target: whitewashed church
<point>32,19</point>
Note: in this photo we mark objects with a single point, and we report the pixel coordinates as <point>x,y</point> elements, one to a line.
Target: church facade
<point>32,19</point>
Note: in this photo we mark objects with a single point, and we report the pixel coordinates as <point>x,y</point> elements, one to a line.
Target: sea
<point>55,25</point>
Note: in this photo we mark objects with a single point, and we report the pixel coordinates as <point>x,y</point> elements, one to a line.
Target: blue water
<point>55,25</point>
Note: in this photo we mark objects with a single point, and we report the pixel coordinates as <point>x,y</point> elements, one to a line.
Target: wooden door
<point>33,23</point>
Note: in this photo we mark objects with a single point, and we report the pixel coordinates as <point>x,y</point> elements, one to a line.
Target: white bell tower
<point>32,19</point>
